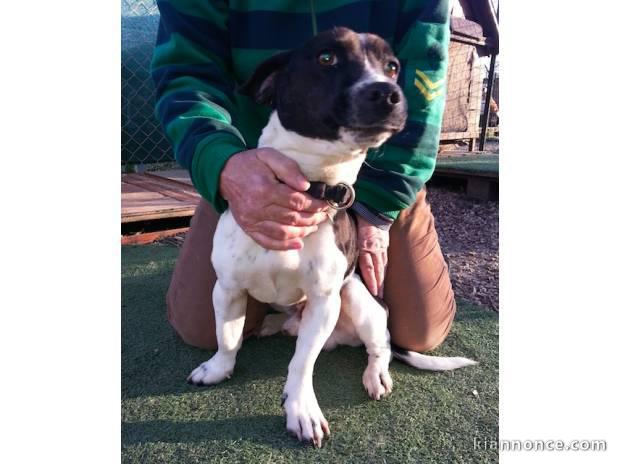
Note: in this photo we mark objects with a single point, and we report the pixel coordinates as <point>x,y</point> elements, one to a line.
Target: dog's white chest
<point>280,277</point>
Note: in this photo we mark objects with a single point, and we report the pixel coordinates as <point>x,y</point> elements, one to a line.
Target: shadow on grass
<point>266,430</point>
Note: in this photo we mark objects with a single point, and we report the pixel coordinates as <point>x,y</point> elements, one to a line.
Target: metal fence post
<point>487,102</point>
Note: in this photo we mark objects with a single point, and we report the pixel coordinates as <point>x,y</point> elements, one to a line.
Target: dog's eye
<point>391,69</point>
<point>327,58</point>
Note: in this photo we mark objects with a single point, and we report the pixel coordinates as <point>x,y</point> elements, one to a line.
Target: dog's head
<point>338,85</point>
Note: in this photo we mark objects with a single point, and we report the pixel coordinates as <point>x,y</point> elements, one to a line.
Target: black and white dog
<point>333,99</point>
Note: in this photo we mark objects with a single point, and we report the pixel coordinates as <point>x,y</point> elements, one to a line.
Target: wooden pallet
<point>153,198</point>
<point>149,196</point>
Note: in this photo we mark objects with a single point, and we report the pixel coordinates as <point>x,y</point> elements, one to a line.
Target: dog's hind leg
<point>370,322</point>
<point>272,324</point>
<point>304,418</point>
<point>230,308</point>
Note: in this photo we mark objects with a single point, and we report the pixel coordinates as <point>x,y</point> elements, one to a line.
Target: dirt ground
<point>469,237</point>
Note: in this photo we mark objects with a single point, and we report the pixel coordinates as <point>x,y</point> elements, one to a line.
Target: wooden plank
<point>151,205</point>
<point>130,188</point>
<point>177,175</point>
<point>168,188</point>
<point>178,181</point>
<point>146,199</point>
<point>150,237</point>
<point>161,214</point>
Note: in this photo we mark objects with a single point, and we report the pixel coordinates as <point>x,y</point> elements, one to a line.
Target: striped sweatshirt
<point>207,48</point>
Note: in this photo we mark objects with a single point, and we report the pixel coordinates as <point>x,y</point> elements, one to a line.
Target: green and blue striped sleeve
<point>191,68</point>
<point>394,173</point>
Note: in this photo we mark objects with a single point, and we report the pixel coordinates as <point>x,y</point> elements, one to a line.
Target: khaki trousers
<point>417,288</point>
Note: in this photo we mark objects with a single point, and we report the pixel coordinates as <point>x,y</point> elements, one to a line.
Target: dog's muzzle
<point>339,196</point>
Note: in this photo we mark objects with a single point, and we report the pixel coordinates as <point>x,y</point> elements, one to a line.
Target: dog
<point>333,98</point>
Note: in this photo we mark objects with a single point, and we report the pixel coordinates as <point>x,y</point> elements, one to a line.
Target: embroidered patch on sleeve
<point>429,89</point>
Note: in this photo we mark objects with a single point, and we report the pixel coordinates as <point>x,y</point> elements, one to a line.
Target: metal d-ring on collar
<point>348,199</point>
<point>339,196</point>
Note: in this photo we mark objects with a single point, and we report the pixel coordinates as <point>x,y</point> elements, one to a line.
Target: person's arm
<point>196,103</point>
<point>191,68</point>
<point>392,176</point>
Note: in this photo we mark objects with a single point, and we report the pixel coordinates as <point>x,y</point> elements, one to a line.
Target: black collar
<point>339,196</point>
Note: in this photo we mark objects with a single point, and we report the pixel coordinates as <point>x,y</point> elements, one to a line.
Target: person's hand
<point>263,189</point>
<point>373,244</point>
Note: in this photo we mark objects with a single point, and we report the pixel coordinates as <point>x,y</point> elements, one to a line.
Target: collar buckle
<point>339,196</point>
<point>348,197</point>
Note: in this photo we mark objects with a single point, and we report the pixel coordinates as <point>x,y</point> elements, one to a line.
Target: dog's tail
<point>430,363</point>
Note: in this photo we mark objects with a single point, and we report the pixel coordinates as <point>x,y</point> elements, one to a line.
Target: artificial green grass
<point>429,417</point>
<point>486,164</point>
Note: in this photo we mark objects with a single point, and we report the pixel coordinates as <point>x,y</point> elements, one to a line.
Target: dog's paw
<point>304,418</point>
<point>291,325</point>
<point>377,382</point>
<point>210,372</point>
<point>272,324</point>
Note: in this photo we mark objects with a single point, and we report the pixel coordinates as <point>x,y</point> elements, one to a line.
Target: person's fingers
<point>379,270</point>
<point>272,244</point>
<point>284,168</point>
<point>368,273</point>
<point>384,255</point>
<point>288,216</point>
<point>283,195</point>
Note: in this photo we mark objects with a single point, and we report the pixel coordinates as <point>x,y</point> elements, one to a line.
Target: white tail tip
<point>431,363</point>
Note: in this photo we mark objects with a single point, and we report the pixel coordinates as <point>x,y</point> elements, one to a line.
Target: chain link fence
<point>142,140</point>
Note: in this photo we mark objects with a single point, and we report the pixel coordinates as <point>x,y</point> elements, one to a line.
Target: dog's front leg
<point>370,322</point>
<point>230,308</point>
<point>304,418</point>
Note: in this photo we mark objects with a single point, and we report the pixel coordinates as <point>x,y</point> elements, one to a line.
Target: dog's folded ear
<point>261,84</point>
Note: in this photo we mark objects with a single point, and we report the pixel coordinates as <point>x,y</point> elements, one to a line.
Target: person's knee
<point>194,338</point>
<point>199,341</point>
<point>426,334</point>
<point>421,342</point>
<point>427,342</point>
<point>192,335</point>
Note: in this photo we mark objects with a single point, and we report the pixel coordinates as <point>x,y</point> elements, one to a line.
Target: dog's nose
<point>381,93</point>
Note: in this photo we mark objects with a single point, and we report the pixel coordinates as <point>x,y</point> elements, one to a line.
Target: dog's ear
<point>261,84</point>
